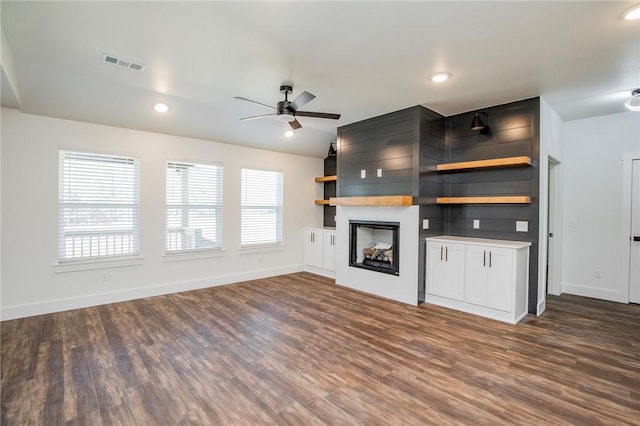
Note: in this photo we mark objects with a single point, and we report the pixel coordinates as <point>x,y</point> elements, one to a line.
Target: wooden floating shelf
<point>327,178</point>
<point>485,164</point>
<point>508,199</point>
<point>389,200</point>
<point>321,202</point>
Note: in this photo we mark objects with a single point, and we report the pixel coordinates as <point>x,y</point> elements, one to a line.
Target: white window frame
<point>279,209</point>
<point>196,253</point>
<point>108,260</point>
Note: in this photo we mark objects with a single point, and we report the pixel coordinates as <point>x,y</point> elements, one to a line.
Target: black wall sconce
<point>479,124</point>
<point>332,150</point>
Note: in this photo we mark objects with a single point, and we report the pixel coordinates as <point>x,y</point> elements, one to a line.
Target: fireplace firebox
<point>374,245</point>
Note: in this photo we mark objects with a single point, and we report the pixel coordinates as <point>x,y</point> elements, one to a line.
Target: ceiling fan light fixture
<point>632,14</point>
<point>287,117</point>
<point>633,103</point>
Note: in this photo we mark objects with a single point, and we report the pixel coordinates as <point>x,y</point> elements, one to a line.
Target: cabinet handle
<point>489,259</point>
<point>313,237</point>
<point>484,258</point>
<point>441,253</point>
<point>446,254</point>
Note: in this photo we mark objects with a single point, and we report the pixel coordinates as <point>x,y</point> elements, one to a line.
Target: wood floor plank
<point>297,349</point>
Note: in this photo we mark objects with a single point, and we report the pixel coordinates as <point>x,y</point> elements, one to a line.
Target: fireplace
<point>375,246</point>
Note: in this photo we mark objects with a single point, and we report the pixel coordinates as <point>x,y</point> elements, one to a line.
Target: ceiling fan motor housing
<point>283,112</point>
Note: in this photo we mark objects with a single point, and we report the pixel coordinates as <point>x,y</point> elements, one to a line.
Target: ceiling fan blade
<point>317,115</point>
<point>258,116</point>
<point>302,99</point>
<point>295,125</point>
<point>255,102</point>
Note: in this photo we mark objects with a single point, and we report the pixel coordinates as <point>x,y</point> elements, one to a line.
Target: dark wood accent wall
<point>408,144</point>
<point>514,131</point>
<point>330,169</point>
<point>430,184</point>
<point>385,142</point>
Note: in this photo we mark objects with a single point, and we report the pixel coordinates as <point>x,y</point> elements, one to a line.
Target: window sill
<point>97,263</point>
<point>265,248</point>
<point>192,255</point>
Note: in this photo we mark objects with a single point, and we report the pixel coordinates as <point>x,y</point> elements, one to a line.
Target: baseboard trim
<point>59,305</point>
<point>593,292</point>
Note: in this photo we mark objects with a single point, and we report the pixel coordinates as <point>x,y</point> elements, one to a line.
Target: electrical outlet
<point>363,174</point>
<point>522,226</point>
<point>597,274</point>
<point>379,172</point>
<point>476,224</point>
<point>425,223</point>
<point>105,276</point>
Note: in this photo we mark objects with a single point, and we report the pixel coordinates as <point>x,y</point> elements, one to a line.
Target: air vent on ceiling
<point>112,59</point>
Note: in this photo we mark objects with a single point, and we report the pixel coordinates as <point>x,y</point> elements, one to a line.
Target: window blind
<point>194,206</point>
<point>98,205</point>
<point>261,203</point>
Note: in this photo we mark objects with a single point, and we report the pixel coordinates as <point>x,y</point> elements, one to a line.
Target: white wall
<point>30,283</point>
<point>592,204</point>
<point>551,146</point>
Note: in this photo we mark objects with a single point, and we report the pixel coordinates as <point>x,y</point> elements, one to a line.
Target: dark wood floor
<point>297,349</point>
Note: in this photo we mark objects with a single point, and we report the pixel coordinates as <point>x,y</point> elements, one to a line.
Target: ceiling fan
<point>288,110</point>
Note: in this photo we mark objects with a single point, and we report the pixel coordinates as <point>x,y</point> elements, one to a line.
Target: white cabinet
<point>491,269</point>
<point>320,251</point>
<point>313,247</point>
<point>490,279</point>
<point>329,251</point>
<point>445,276</point>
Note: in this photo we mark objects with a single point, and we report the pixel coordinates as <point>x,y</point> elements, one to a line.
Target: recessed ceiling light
<point>160,107</point>
<point>439,77</point>
<point>288,133</point>
<point>632,14</point>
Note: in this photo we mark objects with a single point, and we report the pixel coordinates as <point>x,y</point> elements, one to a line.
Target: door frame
<point>554,210</point>
<point>625,259</point>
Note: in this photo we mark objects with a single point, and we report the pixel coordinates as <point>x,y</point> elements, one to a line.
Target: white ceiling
<point>360,59</point>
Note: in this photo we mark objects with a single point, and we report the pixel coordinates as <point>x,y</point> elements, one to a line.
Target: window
<point>98,206</point>
<point>261,218</point>
<point>194,206</point>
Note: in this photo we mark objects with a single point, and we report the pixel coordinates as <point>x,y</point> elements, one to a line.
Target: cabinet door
<point>476,267</point>
<point>454,255</point>
<point>500,279</point>
<point>435,276</point>
<point>329,251</point>
<point>445,270</point>
<point>313,248</point>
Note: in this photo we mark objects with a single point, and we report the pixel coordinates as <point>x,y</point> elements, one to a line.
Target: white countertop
<point>480,241</point>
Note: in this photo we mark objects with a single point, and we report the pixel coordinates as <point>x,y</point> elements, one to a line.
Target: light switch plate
<point>476,224</point>
<point>379,172</point>
<point>522,226</point>
<point>363,174</point>
<point>425,223</point>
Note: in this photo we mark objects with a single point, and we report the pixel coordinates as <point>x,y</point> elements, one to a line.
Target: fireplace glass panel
<point>374,246</point>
